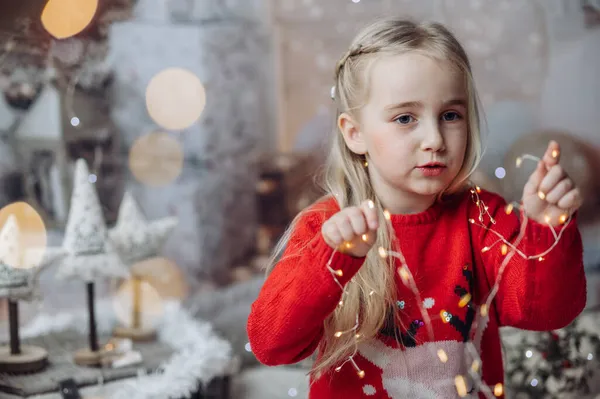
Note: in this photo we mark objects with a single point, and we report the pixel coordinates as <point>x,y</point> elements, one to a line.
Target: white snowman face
<point>407,372</point>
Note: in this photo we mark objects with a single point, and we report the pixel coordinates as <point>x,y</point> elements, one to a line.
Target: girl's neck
<point>398,201</point>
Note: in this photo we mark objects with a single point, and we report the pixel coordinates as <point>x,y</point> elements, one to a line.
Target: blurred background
<point>218,113</point>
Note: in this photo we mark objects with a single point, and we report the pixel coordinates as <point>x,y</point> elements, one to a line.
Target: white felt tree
<point>136,240</point>
<point>18,281</point>
<point>89,254</point>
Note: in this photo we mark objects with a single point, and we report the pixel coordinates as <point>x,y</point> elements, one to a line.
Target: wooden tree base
<point>135,334</point>
<point>30,360</point>
<point>85,357</point>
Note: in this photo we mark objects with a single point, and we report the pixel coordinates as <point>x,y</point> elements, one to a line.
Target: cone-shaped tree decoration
<point>89,254</point>
<point>19,283</point>
<point>136,240</point>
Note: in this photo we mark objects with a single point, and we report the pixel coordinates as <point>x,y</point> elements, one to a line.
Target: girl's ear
<point>353,137</point>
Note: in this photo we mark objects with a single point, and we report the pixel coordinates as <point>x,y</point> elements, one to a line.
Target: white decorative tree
<point>89,253</point>
<point>136,240</point>
<point>18,281</point>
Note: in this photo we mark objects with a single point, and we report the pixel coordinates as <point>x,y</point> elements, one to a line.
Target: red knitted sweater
<point>444,253</point>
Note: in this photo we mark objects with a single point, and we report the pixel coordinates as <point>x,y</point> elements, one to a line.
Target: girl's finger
<point>358,221</point>
<point>331,234</point>
<point>533,183</point>
<point>345,227</point>
<point>571,200</point>
<point>552,154</point>
<point>554,175</point>
<point>368,209</point>
<point>559,190</point>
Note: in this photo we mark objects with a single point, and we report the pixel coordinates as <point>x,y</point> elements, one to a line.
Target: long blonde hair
<point>347,179</point>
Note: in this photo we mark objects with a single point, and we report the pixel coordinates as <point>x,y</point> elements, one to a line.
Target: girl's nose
<point>432,138</point>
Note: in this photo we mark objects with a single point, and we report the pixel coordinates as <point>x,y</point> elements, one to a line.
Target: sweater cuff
<point>541,235</point>
<point>347,264</point>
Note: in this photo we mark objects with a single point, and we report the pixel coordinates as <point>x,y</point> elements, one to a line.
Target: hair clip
<point>332,92</point>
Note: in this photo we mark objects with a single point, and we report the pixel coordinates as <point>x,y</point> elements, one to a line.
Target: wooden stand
<point>17,358</point>
<point>136,332</point>
<point>90,357</point>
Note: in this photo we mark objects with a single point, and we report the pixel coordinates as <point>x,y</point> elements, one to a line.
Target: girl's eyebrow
<point>418,104</point>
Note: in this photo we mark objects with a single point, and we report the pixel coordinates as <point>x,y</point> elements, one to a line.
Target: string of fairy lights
<point>508,250</point>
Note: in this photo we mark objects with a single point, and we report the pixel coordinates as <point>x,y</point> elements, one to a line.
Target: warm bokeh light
<point>151,305</point>
<point>66,18</point>
<point>32,238</point>
<point>164,275</point>
<point>156,159</point>
<point>175,98</point>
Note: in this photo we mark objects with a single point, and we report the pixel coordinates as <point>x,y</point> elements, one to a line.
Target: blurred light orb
<point>33,235</point>
<point>66,18</point>
<point>151,304</point>
<point>175,98</point>
<point>164,276</point>
<point>75,121</point>
<point>500,172</point>
<point>156,159</point>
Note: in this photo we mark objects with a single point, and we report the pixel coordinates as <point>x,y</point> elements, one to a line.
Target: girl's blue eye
<point>451,116</point>
<point>404,119</point>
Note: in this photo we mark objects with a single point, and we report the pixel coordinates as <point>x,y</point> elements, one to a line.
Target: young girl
<point>411,325</point>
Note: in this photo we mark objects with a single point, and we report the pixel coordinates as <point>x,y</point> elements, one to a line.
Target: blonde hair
<point>347,179</point>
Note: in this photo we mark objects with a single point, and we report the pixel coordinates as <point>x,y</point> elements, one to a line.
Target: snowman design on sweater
<point>411,368</point>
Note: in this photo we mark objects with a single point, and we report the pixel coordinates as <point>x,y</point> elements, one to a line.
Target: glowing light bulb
<point>371,204</point>
<point>563,218</point>
<point>519,161</point>
<point>338,334</point>
<point>461,386</point>
<point>541,195</point>
<point>541,258</point>
<point>478,189</point>
<point>442,355</point>
<point>365,237</point>
<point>555,153</point>
<point>485,249</point>
<point>498,389</point>
<point>547,219</point>
<point>472,221</point>
<point>404,274</point>
<point>387,214</point>
<point>361,374</point>
<point>366,163</point>
<point>338,368</point>
<point>357,336</point>
<point>483,310</point>
<point>464,301</point>
<point>382,252</point>
<point>475,366</point>
<point>504,249</point>
<point>339,273</point>
<point>341,303</point>
<point>509,208</point>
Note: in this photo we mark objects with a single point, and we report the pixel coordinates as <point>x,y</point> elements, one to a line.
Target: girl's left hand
<point>550,196</point>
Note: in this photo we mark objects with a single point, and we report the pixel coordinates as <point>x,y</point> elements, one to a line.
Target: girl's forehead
<point>414,77</point>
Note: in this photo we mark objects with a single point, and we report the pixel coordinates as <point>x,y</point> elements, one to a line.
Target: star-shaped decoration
<point>20,266</point>
<point>136,239</point>
<point>89,253</point>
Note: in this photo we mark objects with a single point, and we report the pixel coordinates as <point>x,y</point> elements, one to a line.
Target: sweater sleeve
<point>538,294</point>
<point>285,324</point>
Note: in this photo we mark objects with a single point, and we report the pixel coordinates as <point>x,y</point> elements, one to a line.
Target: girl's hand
<point>352,230</point>
<point>550,196</point>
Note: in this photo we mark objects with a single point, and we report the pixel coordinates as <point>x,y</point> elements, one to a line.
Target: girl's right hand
<point>352,230</point>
